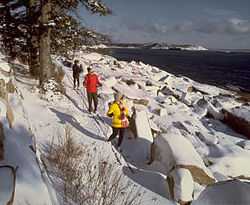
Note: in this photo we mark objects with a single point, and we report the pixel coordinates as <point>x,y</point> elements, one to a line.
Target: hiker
<point>119,113</point>
<point>91,82</point>
<point>76,73</point>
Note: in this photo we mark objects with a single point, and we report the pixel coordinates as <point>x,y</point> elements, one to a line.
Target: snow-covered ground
<point>192,145</point>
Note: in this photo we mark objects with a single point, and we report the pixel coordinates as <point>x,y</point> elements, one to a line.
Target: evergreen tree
<point>28,25</point>
<point>12,28</point>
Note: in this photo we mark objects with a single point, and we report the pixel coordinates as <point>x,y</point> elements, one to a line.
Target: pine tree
<point>27,27</point>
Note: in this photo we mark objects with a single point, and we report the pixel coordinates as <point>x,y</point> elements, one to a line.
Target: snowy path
<point>45,119</point>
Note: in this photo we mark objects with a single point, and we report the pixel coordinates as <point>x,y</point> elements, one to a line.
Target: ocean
<point>220,68</point>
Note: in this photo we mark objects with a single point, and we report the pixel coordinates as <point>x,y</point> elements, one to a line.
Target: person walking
<point>119,112</point>
<point>91,82</point>
<point>76,74</point>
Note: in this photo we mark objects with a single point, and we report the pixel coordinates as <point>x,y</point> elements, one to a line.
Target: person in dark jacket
<point>76,74</point>
<point>91,82</point>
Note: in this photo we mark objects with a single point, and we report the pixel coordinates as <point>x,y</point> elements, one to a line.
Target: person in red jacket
<point>91,82</point>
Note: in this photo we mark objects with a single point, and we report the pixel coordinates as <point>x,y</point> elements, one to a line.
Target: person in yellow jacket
<point>119,112</point>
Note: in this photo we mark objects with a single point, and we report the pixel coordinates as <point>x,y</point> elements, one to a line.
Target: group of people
<point>117,110</point>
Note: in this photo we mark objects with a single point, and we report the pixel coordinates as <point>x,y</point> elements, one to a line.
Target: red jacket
<point>91,82</point>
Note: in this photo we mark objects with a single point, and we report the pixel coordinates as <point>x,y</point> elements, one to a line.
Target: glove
<point>111,114</point>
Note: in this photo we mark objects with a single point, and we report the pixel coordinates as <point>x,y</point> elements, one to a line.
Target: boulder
<point>173,150</point>
<point>9,115</point>
<point>238,119</point>
<point>225,192</point>
<point>10,87</point>
<point>3,93</point>
<point>143,131</point>
<point>6,111</point>
<point>209,139</point>
<point>182,85</point>
<point>181,185</point>
<point>149,83</point>
<point>143,128</point>
<point>202,107</point>
<point>245,144</point>
<point>141,101</point>
<point>167,91</point>
<point>162,111</point>
<point>67,63</point>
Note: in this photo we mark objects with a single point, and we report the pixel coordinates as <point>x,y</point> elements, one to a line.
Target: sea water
<point>220,68</point>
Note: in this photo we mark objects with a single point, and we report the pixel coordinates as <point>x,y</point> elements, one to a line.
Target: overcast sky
<point>211,23</point>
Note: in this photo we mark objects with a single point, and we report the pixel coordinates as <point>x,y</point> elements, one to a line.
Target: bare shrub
<point>82,176</point>
<point>58,75</point>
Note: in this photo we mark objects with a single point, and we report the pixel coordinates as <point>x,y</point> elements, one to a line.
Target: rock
<point>110,81</point>
<point>244,144</point>
<point>167,79</point>
<point>173,150</point>
<point>181,185</point>
<point>149,83</point>
<point>182,85</point>
<point>2,138</point>
<point>9,115</point>
<point>155,70</point>
<point>141,101</point>
<point>132,125</point>
<point>3,93</point>
<point>202,107</point>
<point>226,192</point>
<point>238,119</point>
<point>207,138</point>
<point>67,63</point>
<point>190,88</point>
<point>10,87</point>
<point>162,111</point>
<point>143,128</point>
<point>167,91</point>
<point>130,82</point>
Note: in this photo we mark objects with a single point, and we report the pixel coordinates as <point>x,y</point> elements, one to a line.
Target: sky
<point>210,23</point>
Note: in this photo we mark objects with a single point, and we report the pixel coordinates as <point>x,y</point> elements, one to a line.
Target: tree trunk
<point>44,41</point>
<point>32,38</point>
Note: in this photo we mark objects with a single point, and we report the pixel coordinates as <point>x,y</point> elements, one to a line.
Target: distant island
<point>158,46</point>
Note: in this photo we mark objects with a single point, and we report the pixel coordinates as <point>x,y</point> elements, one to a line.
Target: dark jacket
<point>76,70</point>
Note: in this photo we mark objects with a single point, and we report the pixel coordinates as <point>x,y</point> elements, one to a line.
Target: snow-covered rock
<point>4,66</point>
<point>208,138</point>
<point>175,151</point>
<point>245,144</point>
<point>239,119</point>
<point>226,192</point>
<point>181,185</point>
<point>143,129</point>
<point>202,107</point>
<point>6,111</point>
<point>162,111</point>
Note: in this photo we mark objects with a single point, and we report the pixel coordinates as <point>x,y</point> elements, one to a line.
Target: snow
<point>188,131</point>
<point>3,107</point>
<point>183,184</point>
<point>5,79</point>
<point>4,66</point>
<point>6,185</point>
<point>227,192</point>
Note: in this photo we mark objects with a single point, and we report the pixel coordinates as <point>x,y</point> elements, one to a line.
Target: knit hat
<point>118,95</point>
<point>89,69</point>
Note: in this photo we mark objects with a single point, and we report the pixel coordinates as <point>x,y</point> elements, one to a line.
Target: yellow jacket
<point>114,108</point>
